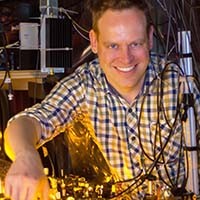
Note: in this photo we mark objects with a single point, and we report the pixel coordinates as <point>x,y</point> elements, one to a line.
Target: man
<point>131,102</point>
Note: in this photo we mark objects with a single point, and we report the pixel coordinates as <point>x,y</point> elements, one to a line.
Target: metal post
<point>184,39</point>
<point>48,9</point>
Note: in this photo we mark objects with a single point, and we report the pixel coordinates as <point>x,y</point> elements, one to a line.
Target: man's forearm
<point>21,135</point>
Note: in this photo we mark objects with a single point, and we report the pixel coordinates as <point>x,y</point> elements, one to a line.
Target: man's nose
<point>126,55</point>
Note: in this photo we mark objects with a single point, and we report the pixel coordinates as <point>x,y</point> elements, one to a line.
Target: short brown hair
<point>98,7</point>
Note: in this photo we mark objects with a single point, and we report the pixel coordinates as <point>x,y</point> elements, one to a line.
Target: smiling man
<point>123,49</point>
<point>128,100</point>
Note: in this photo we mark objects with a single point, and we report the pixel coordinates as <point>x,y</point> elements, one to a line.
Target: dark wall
<point>12,12</point>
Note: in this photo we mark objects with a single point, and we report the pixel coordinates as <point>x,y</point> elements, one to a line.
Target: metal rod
<point>184,39</point>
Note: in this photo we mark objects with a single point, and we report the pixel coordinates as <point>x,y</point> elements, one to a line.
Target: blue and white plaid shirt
<point>131,136</point>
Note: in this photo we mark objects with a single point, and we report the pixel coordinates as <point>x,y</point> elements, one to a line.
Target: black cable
<point>7,76</point>
<point>146,154</point>
<point>140,180</point>
<point>4,78</point>
<point>180,72</point>
<point>180,152</point>
<point>158,127</point>
<point>157,33</point>
<point>129,188</point>
<point>171,127</point>
<point>75,3</point>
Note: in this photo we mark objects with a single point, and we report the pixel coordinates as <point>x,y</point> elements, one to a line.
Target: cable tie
<point>192,148</point>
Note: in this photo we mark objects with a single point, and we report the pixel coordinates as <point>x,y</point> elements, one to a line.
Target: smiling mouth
<point>125,69</point>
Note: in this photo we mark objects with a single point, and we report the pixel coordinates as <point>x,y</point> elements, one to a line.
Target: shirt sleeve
<point>56,109</point>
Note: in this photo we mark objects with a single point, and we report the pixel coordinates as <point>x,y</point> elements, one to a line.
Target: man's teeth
<point>125,69</point>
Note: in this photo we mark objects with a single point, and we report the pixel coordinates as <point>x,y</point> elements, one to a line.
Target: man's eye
<point>113,46</point>
<point>134,45</point>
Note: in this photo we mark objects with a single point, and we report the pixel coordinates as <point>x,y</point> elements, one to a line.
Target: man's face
<point>123,45</point>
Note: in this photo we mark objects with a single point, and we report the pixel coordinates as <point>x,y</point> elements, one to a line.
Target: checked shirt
<point>138,138</point>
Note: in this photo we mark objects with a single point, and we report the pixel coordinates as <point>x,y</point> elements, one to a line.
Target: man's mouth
<point>125,69</point>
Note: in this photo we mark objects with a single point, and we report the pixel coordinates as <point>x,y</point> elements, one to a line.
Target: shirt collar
<point>97,72</point>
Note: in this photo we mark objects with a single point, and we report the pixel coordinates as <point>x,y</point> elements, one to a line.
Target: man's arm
<point>25,178</point>
<point>21,135</point>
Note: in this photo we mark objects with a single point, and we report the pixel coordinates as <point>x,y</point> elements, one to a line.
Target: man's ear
<point>93,41</point>
<point>151,31</point>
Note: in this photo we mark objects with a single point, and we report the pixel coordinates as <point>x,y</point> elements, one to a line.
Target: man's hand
<point>25,179</point>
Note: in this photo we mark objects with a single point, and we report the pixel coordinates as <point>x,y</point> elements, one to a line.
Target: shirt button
<point>130,110</point>
<point>133,138</point>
